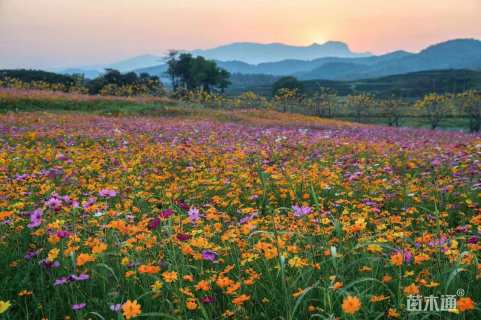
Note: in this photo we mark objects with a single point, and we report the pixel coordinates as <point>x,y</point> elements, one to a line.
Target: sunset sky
<point>60,33</point>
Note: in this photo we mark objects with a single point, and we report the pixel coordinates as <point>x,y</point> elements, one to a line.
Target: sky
<point>66,33</point>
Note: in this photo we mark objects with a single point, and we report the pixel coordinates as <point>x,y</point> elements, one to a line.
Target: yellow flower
<point>156,286</point>
<point>131,309</point>
<point>351,305</point>
<point>53,254</point>
<point>4,305</point>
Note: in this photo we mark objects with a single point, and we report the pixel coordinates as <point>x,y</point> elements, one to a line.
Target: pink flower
<point>108,193</point>
<point>194,215</point>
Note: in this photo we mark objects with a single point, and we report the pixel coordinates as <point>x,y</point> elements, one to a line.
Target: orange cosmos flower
<point>84,258</point>
<point>149,269</point>
<point>241,299</point>
<point>465,304</point>
<point>131,309</point>
<point>203,286</point>
<point>351,305</point>
<point>412,289</point>
<point>397,259</point>
<point>169,276</point>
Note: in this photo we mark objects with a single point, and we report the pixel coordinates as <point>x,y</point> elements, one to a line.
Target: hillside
<point>410,85</point>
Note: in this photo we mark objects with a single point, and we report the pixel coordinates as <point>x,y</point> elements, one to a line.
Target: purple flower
<point>116,307</point>
<point>54,203</point>
<point>49,265</point>
<point>89,203</point>
<point>209,255</point>
<point>61,281</point>
<point>35,219</point>
<point>247,218</point>
<point>194,215</point>
<point>78,306</point>
<point>71,278</point>
<point>107,193</point>
<point>80,277</point>
<point>31,254</point>
<point>301,211</point>
<point>154,223</point>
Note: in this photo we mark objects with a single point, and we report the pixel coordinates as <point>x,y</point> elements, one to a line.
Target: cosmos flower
<point>301,211</point>
<point>131,309</point>
<point>209,255</point>
<point>183,236</point>
<point>54,203</point>
<point>351,305</point>
<point>194,215</point>
<point>154,223</point>
<point>35,219</point>
<point>116,307</point>
<point>4,306</point>
<point>164,214</point>
<point>107,193</point>
<point>79,306</point>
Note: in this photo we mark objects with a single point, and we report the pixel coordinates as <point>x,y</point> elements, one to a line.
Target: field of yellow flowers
<point>270,216</point>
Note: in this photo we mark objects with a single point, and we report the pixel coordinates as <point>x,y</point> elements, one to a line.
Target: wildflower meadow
<point>245,215</point>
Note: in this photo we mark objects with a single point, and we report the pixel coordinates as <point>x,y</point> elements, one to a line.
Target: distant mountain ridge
<point>452,54</point>
<point>255,53</point>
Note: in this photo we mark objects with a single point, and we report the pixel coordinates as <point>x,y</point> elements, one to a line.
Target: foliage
<point>470,104</point>
<point>290,83</point>
<point>360,104</point>
<point>197,73</point>
<point>437,107</point>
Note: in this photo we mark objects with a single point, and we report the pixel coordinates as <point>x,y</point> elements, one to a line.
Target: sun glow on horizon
<point>49,33</point>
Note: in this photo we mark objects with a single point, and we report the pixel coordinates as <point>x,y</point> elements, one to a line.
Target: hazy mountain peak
<point>255,53</point>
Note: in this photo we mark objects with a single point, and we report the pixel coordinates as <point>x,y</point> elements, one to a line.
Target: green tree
<point>470,105</point>
<point>196,73</point>
<point>393,109</point>
<point>359,105</point>
<point>287,83</point>
<point>437,107</point>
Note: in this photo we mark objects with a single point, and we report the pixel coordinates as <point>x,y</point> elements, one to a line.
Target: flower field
<point>267,216</point>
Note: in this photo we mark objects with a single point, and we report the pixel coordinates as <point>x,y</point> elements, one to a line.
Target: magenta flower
<point>107,193</point>
<point>154,223</point>
<point>183,236</point>
<point>208,299</point>
<point>63,234</point>
<point>164,214</point>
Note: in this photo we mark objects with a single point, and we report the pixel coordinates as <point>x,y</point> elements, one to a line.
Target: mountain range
<point>329,61</point>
